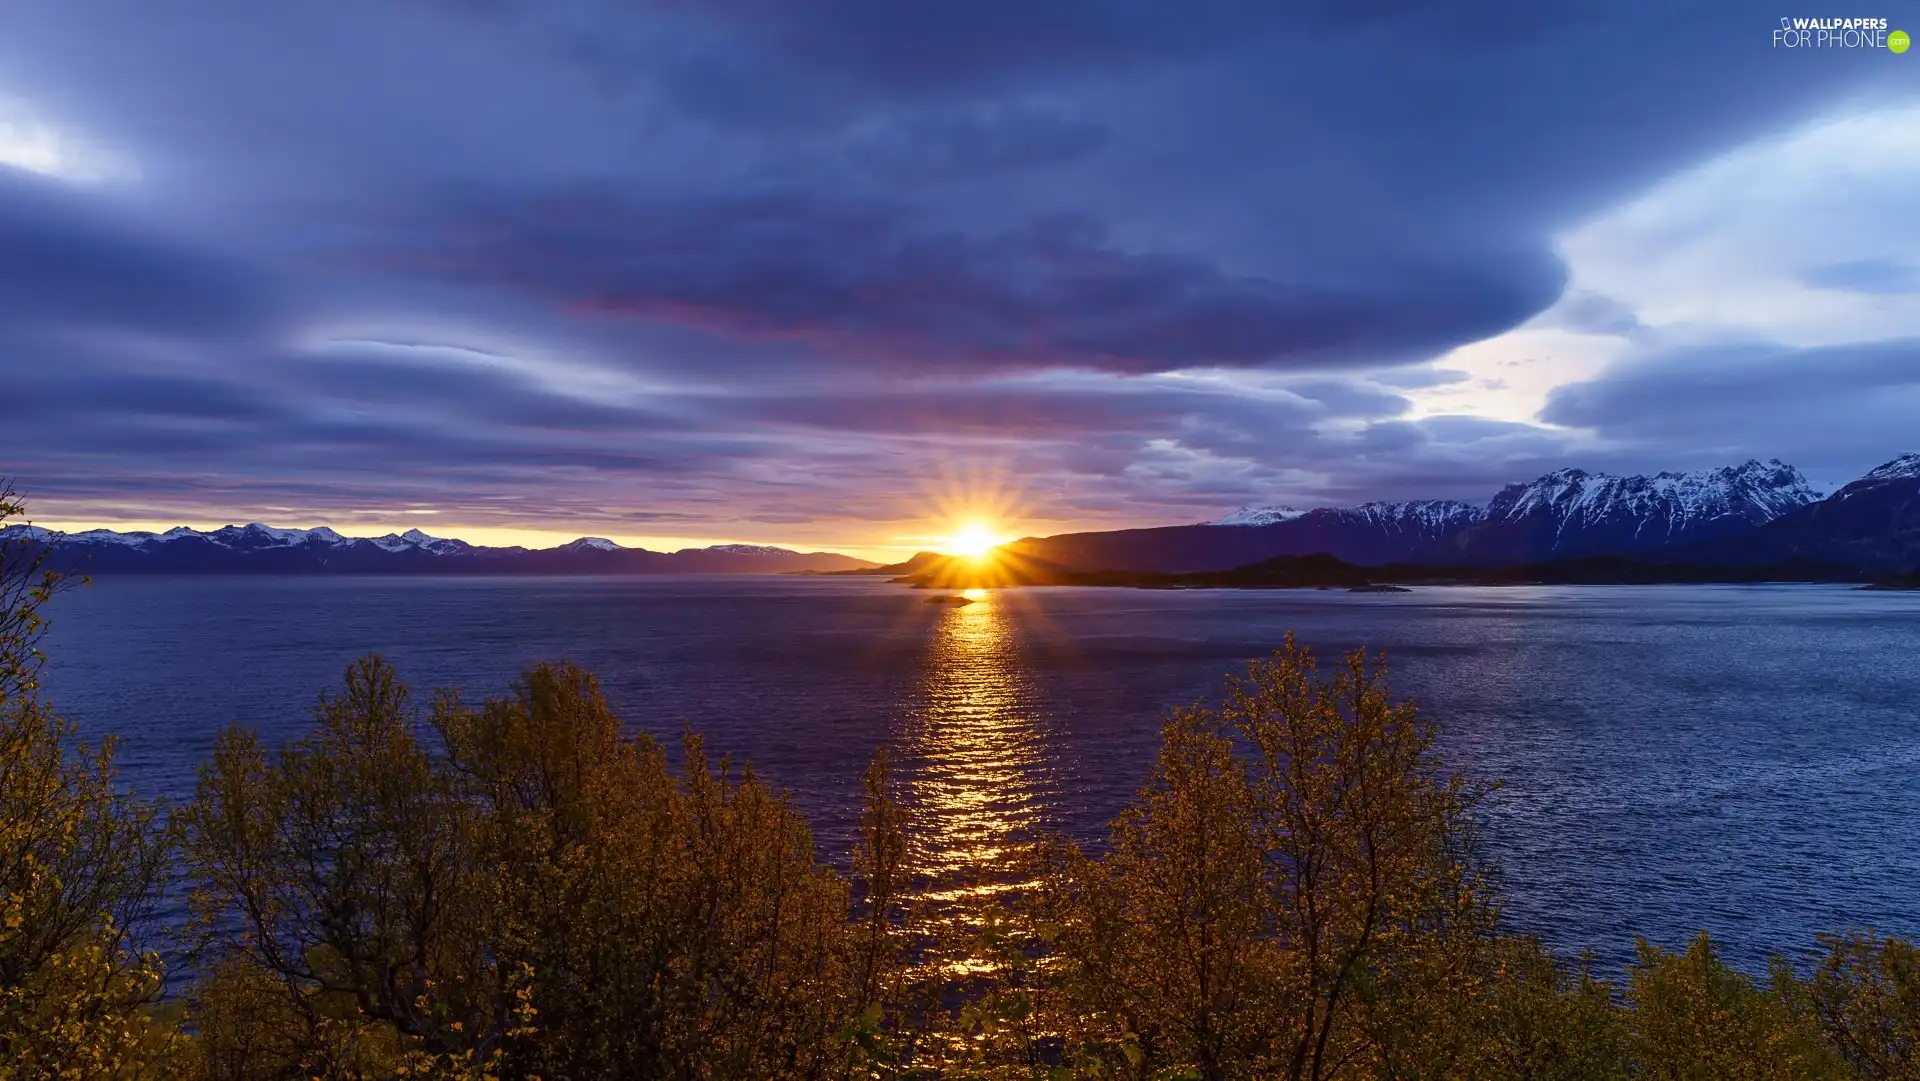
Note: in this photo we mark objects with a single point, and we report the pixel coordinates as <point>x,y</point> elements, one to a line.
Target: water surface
<point>1743,759</point>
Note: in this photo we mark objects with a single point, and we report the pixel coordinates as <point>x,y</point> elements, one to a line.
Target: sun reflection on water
<point>980,780</point>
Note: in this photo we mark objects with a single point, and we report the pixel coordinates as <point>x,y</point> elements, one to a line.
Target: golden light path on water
<point>980,781</point>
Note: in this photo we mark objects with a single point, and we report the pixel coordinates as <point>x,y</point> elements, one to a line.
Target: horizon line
<point>478,536</point>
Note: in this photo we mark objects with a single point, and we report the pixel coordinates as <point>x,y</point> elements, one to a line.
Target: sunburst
<point>973,540</point>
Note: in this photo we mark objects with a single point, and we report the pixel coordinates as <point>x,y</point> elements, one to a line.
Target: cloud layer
<point>781,271</point>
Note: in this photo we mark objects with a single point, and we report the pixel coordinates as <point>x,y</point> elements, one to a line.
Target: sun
<point>973,540</point>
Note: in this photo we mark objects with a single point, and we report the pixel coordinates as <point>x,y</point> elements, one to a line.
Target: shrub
<point>1295,894</point>
<point>1864,999</point>
<point>80,864</point>
<point>1693,1018</point>
<point>536,895</point>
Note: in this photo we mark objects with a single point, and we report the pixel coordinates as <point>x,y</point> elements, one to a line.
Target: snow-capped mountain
<point>1259,515</point>
<point>1872,523</point>
<point>1431,517</point>
<point>412,541</point>
<point>1570,512</point>
<point>1565,514</point>
<point>264,549</point>
<point>244,538</point>
<point>1904,468</point>
<point>1426,514</point>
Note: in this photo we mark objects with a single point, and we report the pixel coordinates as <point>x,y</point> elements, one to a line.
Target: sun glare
<point>973,540</point>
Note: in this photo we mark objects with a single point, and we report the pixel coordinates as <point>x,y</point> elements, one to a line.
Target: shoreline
<point>1328,572</point>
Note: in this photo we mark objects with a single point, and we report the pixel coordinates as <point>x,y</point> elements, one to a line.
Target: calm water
<point>1740,759</point>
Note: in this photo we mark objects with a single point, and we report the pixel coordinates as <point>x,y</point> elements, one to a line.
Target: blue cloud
<point>1882,277</point>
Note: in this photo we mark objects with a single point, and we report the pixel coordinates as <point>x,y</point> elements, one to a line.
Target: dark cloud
<point>64,260</point>
<point>1833,410</point>
<point>868,281</point>
<point>944,45</point>
<point>1026,413</point>
<point>972,143</point>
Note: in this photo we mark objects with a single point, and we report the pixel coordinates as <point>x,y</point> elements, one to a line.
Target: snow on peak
<point>108,536</point>
<point>1902,468</point>
<point>1905,467</point>
<point>750,549</point>
<point>1755,491</point>
<point>255,536</point>
<point>1260,515</point>
<point>414,539</point>
<point>1429,514</point>
<point>261,536</point>
<point>597,544</point>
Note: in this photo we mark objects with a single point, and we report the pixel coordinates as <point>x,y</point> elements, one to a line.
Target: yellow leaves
<point>540,896</point>
<point>74,999</point>
<point>1291,877</point>
<point>78,1015</point>
<point>1693,1016</point>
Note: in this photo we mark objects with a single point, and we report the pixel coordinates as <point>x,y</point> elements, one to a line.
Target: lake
<point>1740,759</point>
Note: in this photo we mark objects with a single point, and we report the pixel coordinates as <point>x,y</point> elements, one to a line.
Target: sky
<point>841,274</point>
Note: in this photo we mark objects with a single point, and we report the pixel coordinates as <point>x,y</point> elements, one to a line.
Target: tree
<point>1864,999</point>
<point>80,866</point>
<point>1693,1018</point>
<point>535,895</point>
<point>1542,1019</point>
<point>336,866</point>
<point>1295,888</point>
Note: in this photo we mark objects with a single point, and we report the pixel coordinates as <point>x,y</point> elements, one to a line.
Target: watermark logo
<point>1794,33</point>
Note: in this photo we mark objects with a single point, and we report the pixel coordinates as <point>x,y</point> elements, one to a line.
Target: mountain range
<point>262,549</point>
<point>1749,514</point>
<point>1757,514</point>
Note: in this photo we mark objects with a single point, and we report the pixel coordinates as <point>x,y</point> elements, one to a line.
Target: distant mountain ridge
<point>1872,523</point>
<point>263,549</point>
<point>1754,512</point>
<point>1260,515</point>
<point>1571,513</point>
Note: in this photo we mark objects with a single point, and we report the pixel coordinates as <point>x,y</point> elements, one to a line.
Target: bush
<point>536,895</point>
<point>80,864</point>
<point>1864,1000</point>
<point>1540,1018</point>
<point>1695,1019</point>
<point>1295,895</point>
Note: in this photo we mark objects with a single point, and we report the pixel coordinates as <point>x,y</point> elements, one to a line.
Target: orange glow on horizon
<point>487,536</point>
<point>965,508</point>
